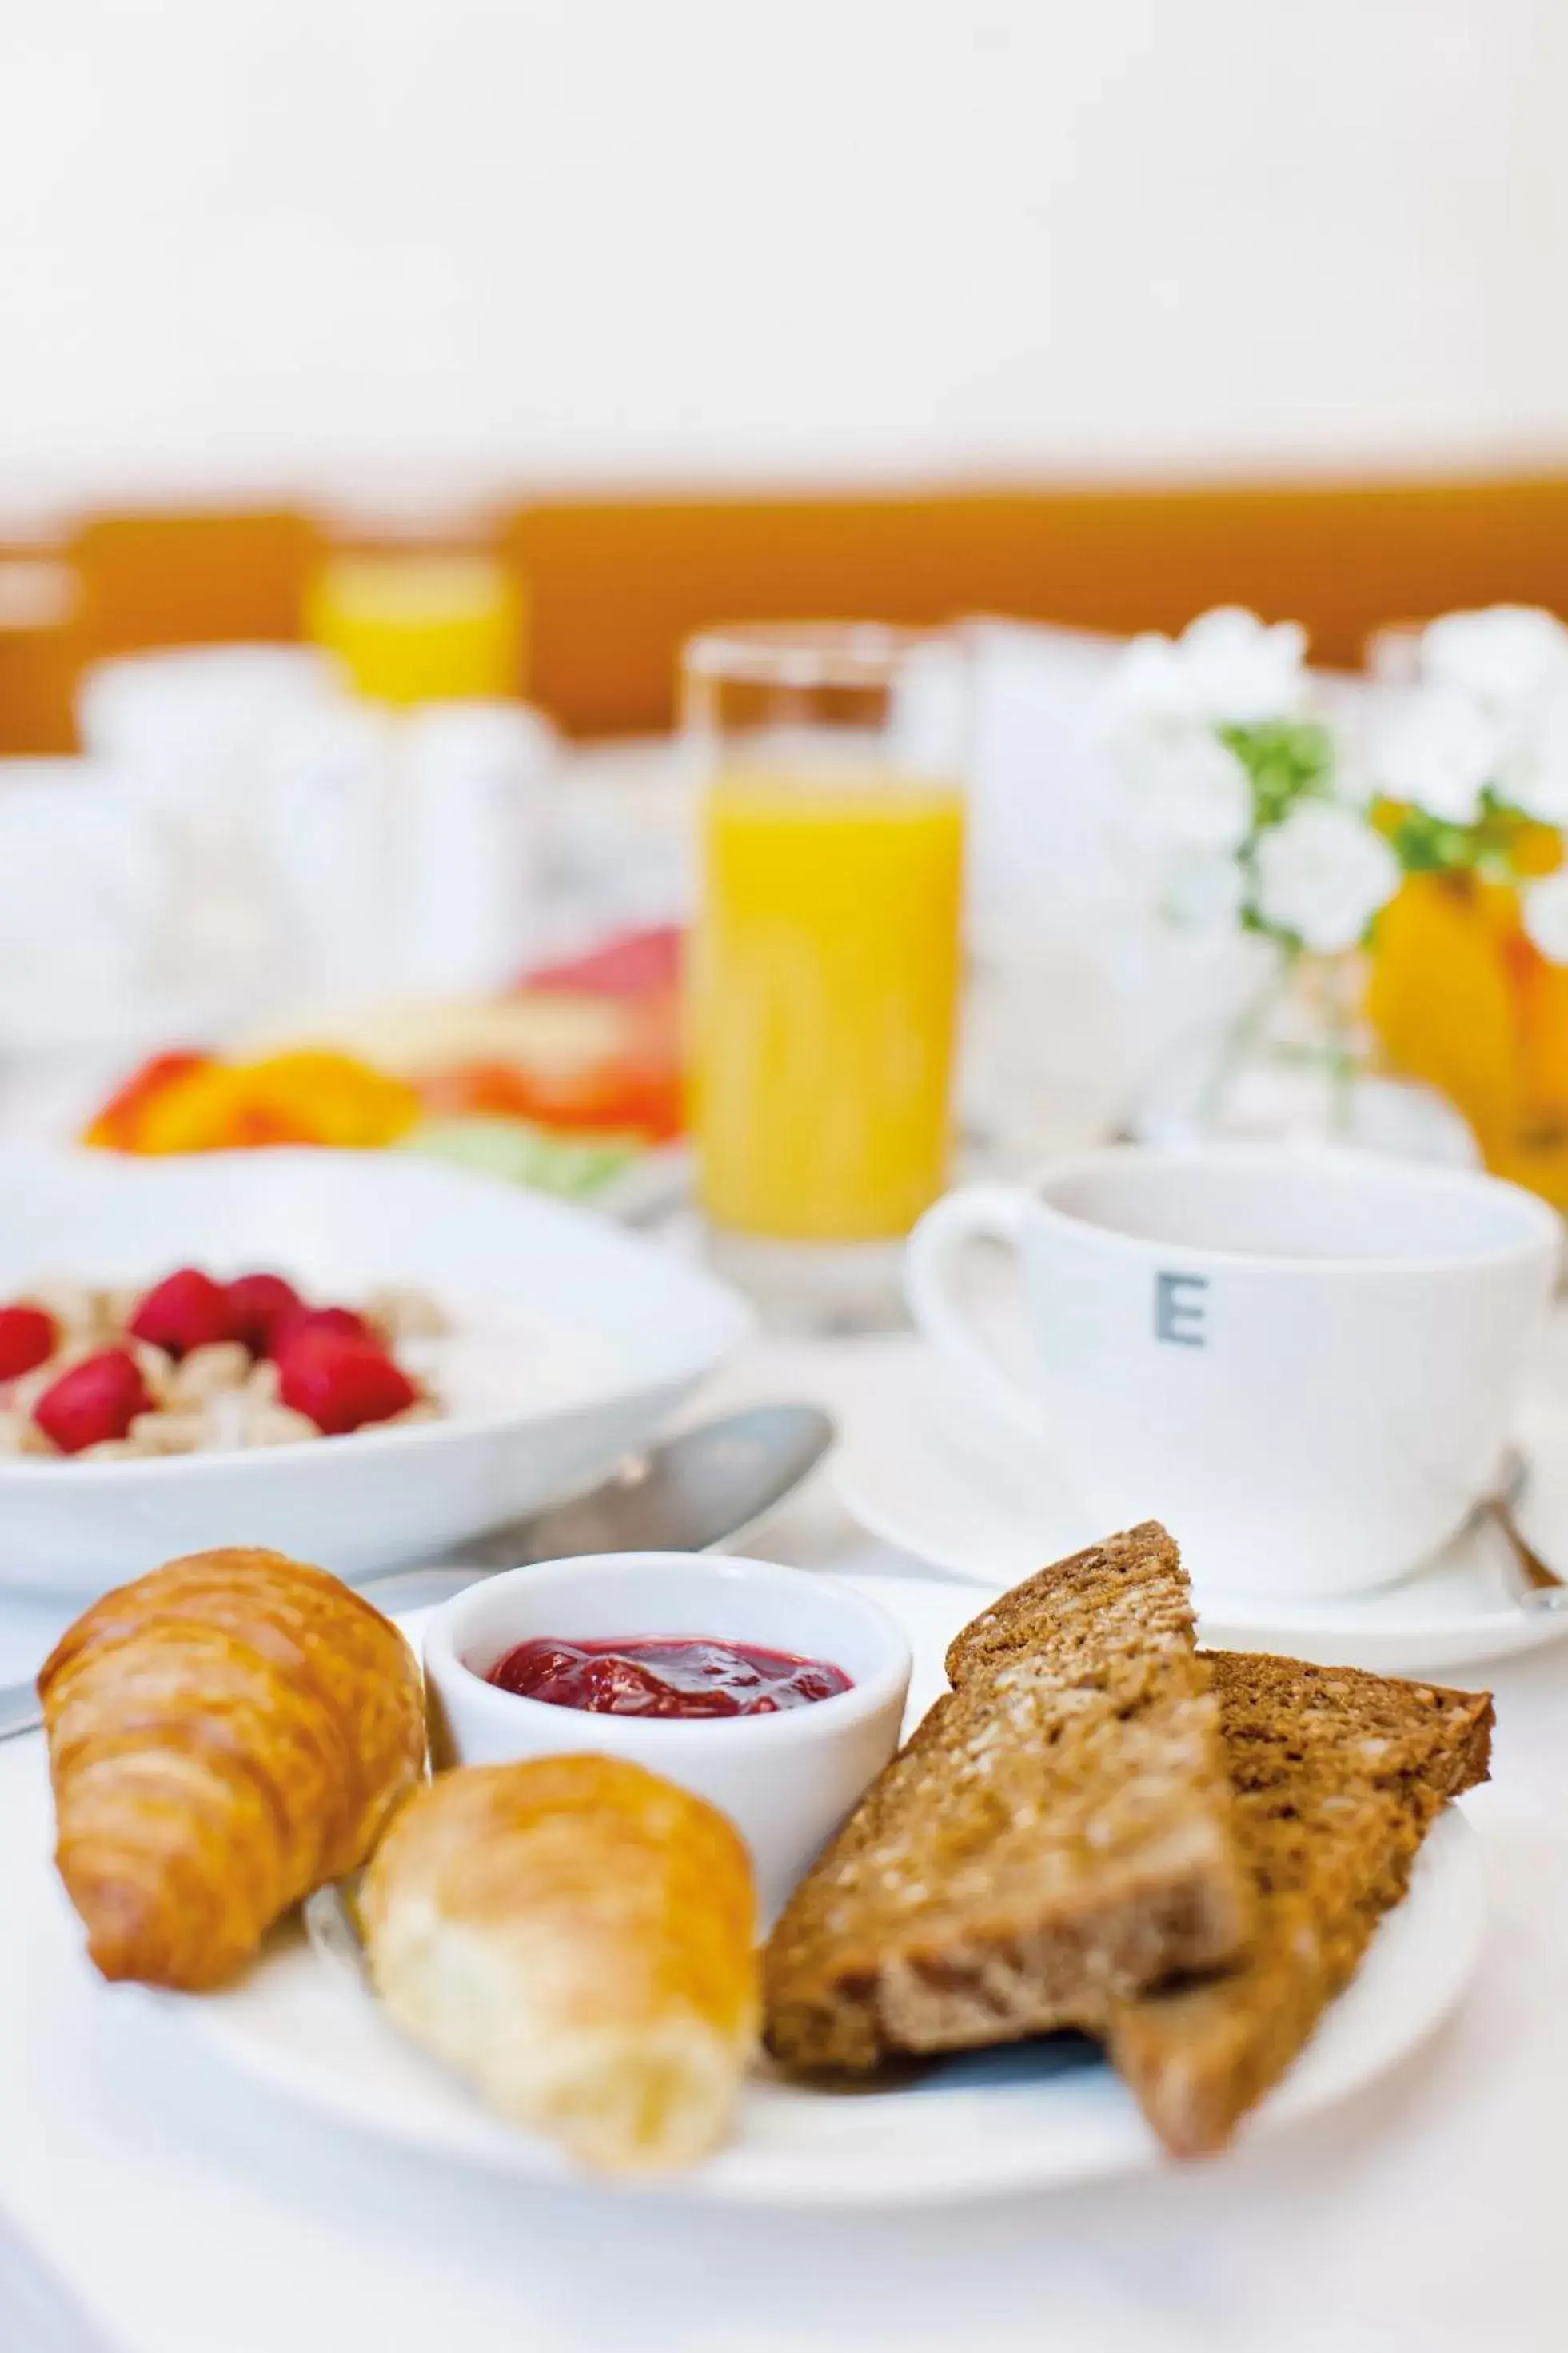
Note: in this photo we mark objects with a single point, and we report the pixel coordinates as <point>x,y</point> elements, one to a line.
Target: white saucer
<point>986,2124</point>
<point>919,1467</point>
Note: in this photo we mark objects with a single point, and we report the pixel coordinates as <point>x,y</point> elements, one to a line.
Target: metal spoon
<point>700,1490</point>
<point>1536,1585</point>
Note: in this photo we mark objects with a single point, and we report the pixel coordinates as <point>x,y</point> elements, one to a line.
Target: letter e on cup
<point>1179,1309</point>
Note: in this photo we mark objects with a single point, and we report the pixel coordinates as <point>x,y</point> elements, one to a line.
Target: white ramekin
<point>786,1780</point>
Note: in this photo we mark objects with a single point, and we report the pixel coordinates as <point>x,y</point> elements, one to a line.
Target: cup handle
<point>975,1213</point>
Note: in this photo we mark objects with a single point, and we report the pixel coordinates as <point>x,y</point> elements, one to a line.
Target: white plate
<point>917,1466</point>
<point>983,2125</point>
<point>573,1342</point>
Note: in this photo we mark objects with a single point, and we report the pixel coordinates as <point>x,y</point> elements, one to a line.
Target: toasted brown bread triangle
<point>1338,1776</point>
<point>1058,1830</point>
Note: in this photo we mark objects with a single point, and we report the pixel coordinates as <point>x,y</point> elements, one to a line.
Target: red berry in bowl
<point>98,1398</point>
<point>257,1306</point>
<point>186,1311</point>
<point>29,1336</point>
<point>302,1322</point>
<point>342,1382</point>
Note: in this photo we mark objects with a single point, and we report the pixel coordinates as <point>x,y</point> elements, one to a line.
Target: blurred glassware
<point>188,734</point>
<point>467,847</point>
<point>81,900</point>
<point>325,816</point>
<point>1053,1027</point>
<point>1039,860</point>
<point>419,628</point>
<point>1044,1063</point>
<point>619,852</point>
<point>826,954</point>
<point>1298,1064</point>
<point>416,597</point>
<point>190,721</point>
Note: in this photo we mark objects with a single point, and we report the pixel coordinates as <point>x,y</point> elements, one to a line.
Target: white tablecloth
<point>195,2213</point>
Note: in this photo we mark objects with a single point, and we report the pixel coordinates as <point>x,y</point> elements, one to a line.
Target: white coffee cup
<point>1305,1361</point>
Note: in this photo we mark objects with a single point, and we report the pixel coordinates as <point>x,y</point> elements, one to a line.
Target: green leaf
<point>1287,761</point>
<point>1431,845</point>
<point>1425,844</point>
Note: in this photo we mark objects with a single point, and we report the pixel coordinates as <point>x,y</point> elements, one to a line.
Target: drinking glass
<point>826,956</point>
<point>419,602</point>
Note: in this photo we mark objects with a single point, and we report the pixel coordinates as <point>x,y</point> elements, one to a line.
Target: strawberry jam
<point>686,1676</point>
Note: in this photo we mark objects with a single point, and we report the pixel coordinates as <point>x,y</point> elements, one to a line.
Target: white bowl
<point>787,1781</point>
<point>574,1342</point>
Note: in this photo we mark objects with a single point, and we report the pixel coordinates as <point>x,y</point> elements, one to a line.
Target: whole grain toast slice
<point>1057,1832</point>
<point>1339,1775</point>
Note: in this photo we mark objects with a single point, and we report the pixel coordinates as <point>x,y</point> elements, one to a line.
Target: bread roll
<point>225,1734</point>
<point>576,1936</point>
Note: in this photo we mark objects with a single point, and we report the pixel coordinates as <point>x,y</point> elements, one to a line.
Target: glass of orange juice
<point>825,978</point>
<point>417,600</point>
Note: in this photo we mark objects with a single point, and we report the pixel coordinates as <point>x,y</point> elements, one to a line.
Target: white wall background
<point>254,243</point>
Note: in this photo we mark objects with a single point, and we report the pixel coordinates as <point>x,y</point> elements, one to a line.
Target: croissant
<point>577,1936</point>
<point>225,1734</point>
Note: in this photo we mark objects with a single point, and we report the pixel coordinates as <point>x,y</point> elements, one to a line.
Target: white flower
<point>1322,874</point>
<point>1201,891</point>
<point>1544,906</point>
<point>1227,669</point>
<point>1199,794</point>
<point>1504,656</point>
<point>1246,671</point>
<point>1152,687</point>
<point>1533,772</point>
<point>1437,748</point>
<point>1183,792</point>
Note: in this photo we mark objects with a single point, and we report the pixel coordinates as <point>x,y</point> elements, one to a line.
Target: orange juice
<point>412,626</point>
<point>825,990</point>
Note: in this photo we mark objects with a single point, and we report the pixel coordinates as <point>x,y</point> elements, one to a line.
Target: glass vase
<point>1297,1060</point>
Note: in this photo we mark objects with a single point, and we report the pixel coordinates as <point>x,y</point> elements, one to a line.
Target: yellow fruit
<point>309,1097</point>
<point>1442,1002</point>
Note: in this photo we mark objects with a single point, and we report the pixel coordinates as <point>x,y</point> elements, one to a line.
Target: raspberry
<point>98,1399</point>
<point>27,1338</point>
<point>257,1306</point>
<point>340,1322</point>
<point>342,1382</point>
<point>186,1311</point>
